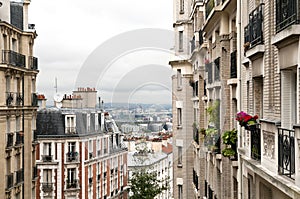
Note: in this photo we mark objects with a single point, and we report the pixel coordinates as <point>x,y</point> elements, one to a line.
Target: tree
<point>145,185</point>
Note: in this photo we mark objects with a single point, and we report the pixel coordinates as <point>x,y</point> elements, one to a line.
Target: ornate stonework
<point>269,145</point>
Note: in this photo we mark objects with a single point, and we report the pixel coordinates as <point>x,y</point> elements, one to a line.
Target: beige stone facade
<point>243,56</point>
<point>18,102</point>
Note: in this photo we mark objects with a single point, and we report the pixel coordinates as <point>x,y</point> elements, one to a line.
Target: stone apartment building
<point>233,56</point>
<point>80,153</point>
<point>269,153</point>
<point>18,105</point>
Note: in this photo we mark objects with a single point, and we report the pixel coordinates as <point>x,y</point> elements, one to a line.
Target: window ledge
<point>255,52</point>
<point>179,127</point>
<point>286,36</point>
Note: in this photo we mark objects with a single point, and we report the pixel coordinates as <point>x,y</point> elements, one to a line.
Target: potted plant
<point>229,139</point>
<point>246,120</point>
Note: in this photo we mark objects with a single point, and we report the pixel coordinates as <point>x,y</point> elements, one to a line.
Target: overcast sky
<point>69,31</point>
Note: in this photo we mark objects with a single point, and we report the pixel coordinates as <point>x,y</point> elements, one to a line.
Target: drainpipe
<point>23,120</point>
<point>239,104</point>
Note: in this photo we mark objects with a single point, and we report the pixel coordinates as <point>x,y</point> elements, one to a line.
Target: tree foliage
<point>145,185</point>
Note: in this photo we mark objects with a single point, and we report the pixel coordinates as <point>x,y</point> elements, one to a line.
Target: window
<point>180,192</point>
<point>70,124</point>
<point>179,116</point>
<point>181,6</point>
<point>179,78</point>
<point>47,149</point>
<point>88,122</point>
<point>14,45</point>
<point>47,175</point>
<point>96,122</point>
<point>179,155</point>
<point>180,40</point>
<point>71,178</point>
<point>72,146</point>
<point>98,147</point>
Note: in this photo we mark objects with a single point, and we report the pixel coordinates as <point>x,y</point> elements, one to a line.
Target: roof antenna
<point>55,86</point>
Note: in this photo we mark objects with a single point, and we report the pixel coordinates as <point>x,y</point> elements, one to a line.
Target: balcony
<point>13,58</point>
<point>33,63</point>
<point>208,68</point>
<point>9,181</point>
<point>233,65</point>
<point>19,138</point>
<point>217,69</point>
<point>47,158</point>
<point>90,181</point>
<point>47,187</point>
<point>19,176</point>
<point>71,130</point>
<point>254,30</point>
<point>195,180</point>
<point>34,172</point>
<point>14,99</point>
<point>73,184</point>
<point>287,14</point>
<point>196,134</point>
<point>72,156</point>
<point>255,141</point>
<point>286,152</point>
<point>34,99</point>
<point>10,140</point>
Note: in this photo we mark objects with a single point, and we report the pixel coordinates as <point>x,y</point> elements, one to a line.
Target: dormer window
<point>70,122</point>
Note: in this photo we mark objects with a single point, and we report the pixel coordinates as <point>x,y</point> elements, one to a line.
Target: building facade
<point>269,154</point>
<point>18,104</point>
<point>80,154</point>
<point>243,56</point>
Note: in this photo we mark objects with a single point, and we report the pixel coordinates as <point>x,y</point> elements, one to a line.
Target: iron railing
<point>71,130</point>
<point>72,156</point>
<point>196,134</point>
<point>47,187</point>
<point>10,140</point>
<point>208,68</point>
<point>33,63</point>
<point>90,181</point>
<point>287,13</point>
<point>233,65</point>
<point>195,179</point>
<point>286,152</point>
<point>19,138</point>
<point>14,99</point>
<point>9,181</point>
<point>217,69</point>
<point>34,99</point>
<point>34,172</point>
<point>13,58</point>
<point>200,37</point>
<point>254,30</point>
<point>19,176</point>
<point>73,184</point>
<point>47,158</point>
<point>255,141</point>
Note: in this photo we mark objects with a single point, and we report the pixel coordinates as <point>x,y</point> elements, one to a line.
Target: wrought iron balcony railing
<point>255,141</point>
<point>200,37</point>
<point>19,138</point>
<point>286,152</point>
<point>13,58</point>
<point>14,99</point>
<point>73,184</point>
<point>10,140</point>
<point>254,30</point>
<point>233,65</point>
<point>34,172</point>
<point>208,68</point>
<point>217,69</point>
<point>9,181</point>
<point>90,181</point>
<point>195,180</point>
<point>72,156</point>
<point>71,130</point>
<point>287,13</point>
<point>47,158</point>
<point>196,134</point>
<point>47,187</point>
<point>33,63</point>
<point>34,99</point>
<point>19,176</point>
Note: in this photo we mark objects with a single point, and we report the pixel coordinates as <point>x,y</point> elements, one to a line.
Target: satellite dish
<point>58,97</point>
<point>58,104</point>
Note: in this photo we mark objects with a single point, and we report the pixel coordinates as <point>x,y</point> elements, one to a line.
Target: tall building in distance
<point>18,104</point>
<point>80,151</point>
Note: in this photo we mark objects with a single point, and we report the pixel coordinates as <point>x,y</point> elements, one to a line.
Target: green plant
<point>228,152</point>
<point>203,131</point>
<point>213,112</point>
<point>210,131</point>
<point>230,137</point>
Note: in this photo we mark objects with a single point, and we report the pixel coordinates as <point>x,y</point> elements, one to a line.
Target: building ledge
<point>215,84</point>
<point>281,182</point>
<point>232,81</point>
<point>286,36</point>
<point>255,52</point>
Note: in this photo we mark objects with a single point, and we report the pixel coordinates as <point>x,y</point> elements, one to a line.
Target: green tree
<point>145,185</point>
